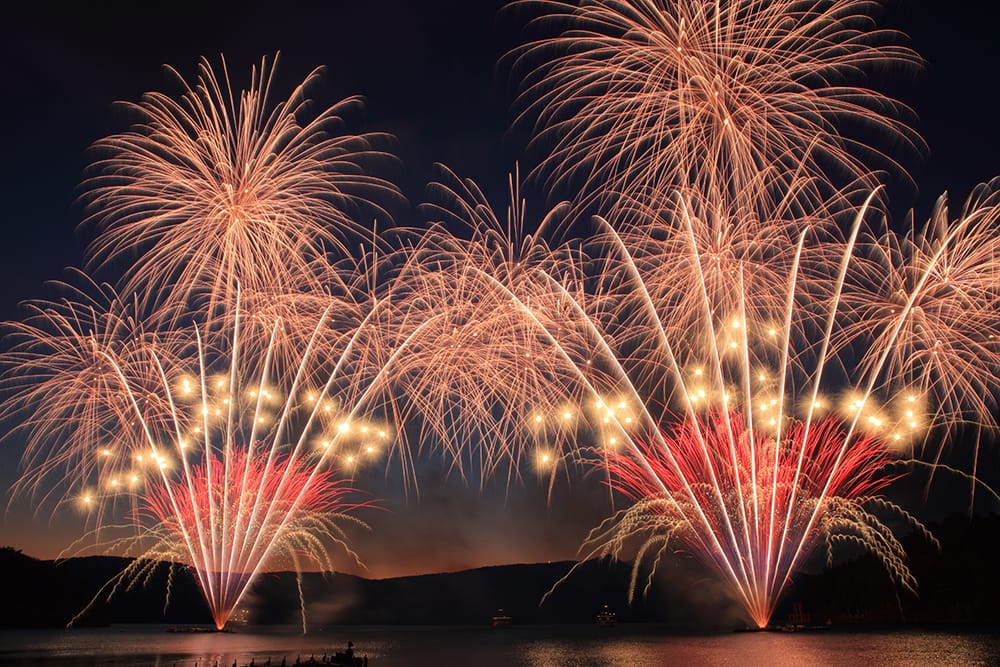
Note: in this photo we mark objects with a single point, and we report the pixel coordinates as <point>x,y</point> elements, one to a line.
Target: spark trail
<point>724,408</point>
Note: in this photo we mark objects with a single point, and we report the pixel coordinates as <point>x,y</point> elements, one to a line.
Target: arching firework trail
<point>631,98</point>
<point>221,440</point>
<point>933,319</point>
<point>175,512</point>
<point>209,414</point>
<point>226,457</point>
<point>209,419</point>
<point>220,187</point>
<point>723,406</point>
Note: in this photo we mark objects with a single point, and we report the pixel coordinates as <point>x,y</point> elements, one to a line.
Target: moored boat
<point>607,617</point>
<point>500,620</point>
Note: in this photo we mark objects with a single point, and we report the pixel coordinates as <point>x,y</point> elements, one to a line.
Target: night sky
<point>429,73</point>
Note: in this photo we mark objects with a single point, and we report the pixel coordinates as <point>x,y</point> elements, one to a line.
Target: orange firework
<point>788,497</point>
<point>226,453</point>
<point>217,188</point>
<point>634,97</point>
<point>61,376</point>
<point>933,320</point>
<point>611,351</point>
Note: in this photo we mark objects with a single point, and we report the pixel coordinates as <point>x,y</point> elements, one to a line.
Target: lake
<point>535,646</point>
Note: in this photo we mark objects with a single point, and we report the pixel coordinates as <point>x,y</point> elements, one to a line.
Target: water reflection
<point>835,649</point>
<point>576,646</point>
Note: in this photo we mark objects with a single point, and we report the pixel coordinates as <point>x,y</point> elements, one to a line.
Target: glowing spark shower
<point>211,413</point>
<point>226,459</point>
<point>715,397</point>
<point>739,343</point>
<point>222,187</point>
<point>782,498</point>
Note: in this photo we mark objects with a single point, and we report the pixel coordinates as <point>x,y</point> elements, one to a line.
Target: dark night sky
<point>428,71</point>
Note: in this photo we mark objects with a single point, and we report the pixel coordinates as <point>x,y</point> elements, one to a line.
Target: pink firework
<point>780,441</point>
<point>215,511</point>
<point>750,505</point>
<point>222,187</point>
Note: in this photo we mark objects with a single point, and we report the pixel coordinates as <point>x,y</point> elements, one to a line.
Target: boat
<point>607,618</point>
<point>345,660</point>
<point>500,620</point>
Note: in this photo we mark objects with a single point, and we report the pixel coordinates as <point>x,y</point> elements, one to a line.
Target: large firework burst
<point>712,387</point>
<point>220,187</point>
<point>226,455</point>
<point>634,97</point>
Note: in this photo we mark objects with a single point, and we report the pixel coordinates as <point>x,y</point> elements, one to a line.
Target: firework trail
<point>223,438</point>
<point>225,458</point>
<point>767,364</point>
<point>938,299</point>
<point>787,496</point>
<point>631,98</point>
<point>175,511</point>
<point>304,511</point>
<point>718,398</point>
<point>250,367</point>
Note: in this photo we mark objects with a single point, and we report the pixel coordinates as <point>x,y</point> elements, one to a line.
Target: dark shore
<point>958,584</point>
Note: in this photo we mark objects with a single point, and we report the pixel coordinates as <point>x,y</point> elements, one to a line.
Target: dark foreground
<point>538,646</point>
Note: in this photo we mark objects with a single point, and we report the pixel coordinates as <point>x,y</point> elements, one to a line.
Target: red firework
<point>751,505</point>
<point>214,515</point>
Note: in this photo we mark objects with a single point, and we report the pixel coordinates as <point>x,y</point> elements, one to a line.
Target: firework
<point>227,458</point>
<point>633,98</point>
<point>62,373</point>
<point>785,495</point>
<point>222,404</point>
<point>297,522</point>
<point>937,311</point>
<point>724,344</point>
<point>219,188</point>
<point>717,399</point>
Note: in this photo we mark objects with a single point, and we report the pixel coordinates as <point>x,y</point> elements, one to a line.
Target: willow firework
<point>248,370</point>
<point>226,458</point>
<point>735,343</point>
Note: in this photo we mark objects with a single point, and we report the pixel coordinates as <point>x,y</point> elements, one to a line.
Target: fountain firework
<point>742,367</point>
<point>721,306</point>
<point>712,386</point>
<point>250,367</point>
<point>226,459</point>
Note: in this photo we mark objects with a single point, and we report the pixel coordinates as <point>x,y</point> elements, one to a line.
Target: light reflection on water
<point>559,646</point>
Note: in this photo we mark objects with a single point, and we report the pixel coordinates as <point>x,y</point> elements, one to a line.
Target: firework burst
<point>637,97</point>
<point>219,188</point>
<point>937,310</point>
<point>782,503</point>
<point>227,456</point>
<point>718,401</point>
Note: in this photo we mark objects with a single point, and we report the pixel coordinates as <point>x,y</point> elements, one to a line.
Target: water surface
<point>535,646</point>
